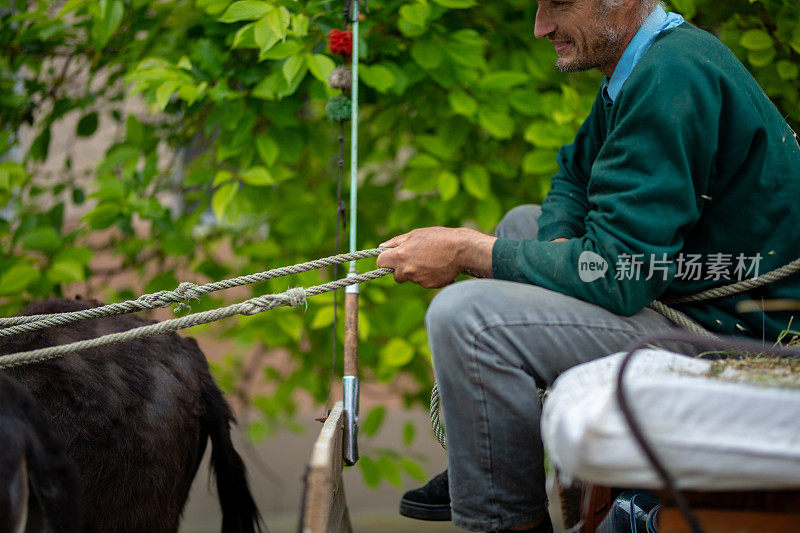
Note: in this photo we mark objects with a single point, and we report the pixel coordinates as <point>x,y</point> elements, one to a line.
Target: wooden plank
<point>729,521</point>
<point>324,504</point>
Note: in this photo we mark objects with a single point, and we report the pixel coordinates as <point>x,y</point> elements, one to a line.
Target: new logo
<point>591,266</point>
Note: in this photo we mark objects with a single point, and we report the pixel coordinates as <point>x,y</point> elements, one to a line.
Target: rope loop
<point>291,298</point>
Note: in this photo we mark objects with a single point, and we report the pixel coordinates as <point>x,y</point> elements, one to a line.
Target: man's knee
<point>522,222</point>
<point>450,308</point>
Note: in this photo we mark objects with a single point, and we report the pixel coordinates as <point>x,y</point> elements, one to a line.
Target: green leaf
<point>267,148</point>
<point>292,324</point>
<point>279,20</point>
<point>45,239</point>
<point>488,213</point>
<point>281,50</point>
<point>409,432</point>
<point>165,92</point>
<point>448,185</point>
<point>476,181</point>
<point>416,13</point>
<point>103,215</point>
<point>685,7</point>
<point>245,10</point>
<point>397,353</point>
<point>390,471</point>
<point>542,162</point>
<point>40,146</point>
<point>17,278</point>
<point>426,54</point>
<point>420,180</point>
<point>761,58</point>
<point>107,23</point>
<point>70,5</point>
<point>163,281</point>
<point>291,67</point>
<point>794,43</point>
<point>462,103</point>
<point>526,101</point>
<point>81,254</point>
<point>498,124</point>
<point>548,135</point>
<point>258,176</point>
<point>756,40</point>
<point>370,471</point>
<point>66,271</point>
<point>258,430</point>
<point>456,4</point>
<point>245,36</point>
<point>323,318</point>
<point>423,161</point>
<point>299,25</point>
<point>264,35</point>
<point>373,421</point>
<point>213,7</point>
<point>222,198</point>
<point>109,189</point>
<point>466,54</point>
<point>222,177</point>
<point>320,66</point>
<point>408,29</point>
<point>503,79</point>
<point>87,125</point>
<point>378,77</point>
<point>788,70</point>
<point>413,469</point>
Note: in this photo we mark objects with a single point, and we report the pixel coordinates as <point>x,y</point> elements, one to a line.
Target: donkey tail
<point>239,511</point>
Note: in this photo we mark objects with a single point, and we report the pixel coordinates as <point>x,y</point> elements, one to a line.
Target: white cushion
<point>711,434</point>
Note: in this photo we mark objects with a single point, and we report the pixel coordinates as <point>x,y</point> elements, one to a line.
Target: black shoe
<point>431,502</point>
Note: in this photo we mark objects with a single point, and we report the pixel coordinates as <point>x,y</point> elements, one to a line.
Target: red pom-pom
<point>340,42</point>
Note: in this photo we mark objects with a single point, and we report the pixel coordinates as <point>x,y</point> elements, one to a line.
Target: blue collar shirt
<point>658,21</point>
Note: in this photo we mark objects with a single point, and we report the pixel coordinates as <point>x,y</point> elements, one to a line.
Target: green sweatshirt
<point>691,162</point>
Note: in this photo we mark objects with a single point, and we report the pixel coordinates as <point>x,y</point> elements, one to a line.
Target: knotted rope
<point>292,297</point>
<point>185,291</point>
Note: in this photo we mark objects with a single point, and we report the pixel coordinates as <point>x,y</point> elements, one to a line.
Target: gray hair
<point>645,6</point>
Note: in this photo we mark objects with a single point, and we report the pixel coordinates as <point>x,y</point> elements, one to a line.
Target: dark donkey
<point>32,460</point>
<point>135,417</point>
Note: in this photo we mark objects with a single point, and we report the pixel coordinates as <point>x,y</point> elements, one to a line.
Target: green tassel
<point>339,109</point>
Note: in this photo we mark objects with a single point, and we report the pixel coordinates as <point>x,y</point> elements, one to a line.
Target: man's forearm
<point>475,251</point>
<point>433,257</point>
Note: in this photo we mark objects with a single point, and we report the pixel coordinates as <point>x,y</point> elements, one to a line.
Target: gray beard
<point>603,52</point>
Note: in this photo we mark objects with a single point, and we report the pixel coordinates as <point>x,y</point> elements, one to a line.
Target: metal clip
<point>350,436</point>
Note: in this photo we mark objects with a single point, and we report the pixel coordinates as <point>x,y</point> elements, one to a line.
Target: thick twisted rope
<point>719,292</point>
<point>292,297</point>
<point>438,430</point>
<point>184,292</point>
<point>680,319</point>
<point>740,286</point>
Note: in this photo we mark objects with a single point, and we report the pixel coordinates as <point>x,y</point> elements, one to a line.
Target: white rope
<point>292,297</point>
<point>185,291</point>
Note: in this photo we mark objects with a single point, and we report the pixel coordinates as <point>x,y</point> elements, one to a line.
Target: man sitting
<point>683,177</point>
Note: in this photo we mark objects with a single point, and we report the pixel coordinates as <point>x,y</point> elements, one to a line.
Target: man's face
<point>584,34</point>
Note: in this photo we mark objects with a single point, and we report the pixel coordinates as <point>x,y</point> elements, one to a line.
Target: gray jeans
<point>493,342</point>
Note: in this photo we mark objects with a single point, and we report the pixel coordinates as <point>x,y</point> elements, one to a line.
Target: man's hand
<point>433,257</point>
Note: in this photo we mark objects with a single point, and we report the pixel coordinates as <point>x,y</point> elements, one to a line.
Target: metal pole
<point>350,380</point>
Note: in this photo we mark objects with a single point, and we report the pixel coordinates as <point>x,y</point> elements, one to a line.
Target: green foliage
<point>232,168</point>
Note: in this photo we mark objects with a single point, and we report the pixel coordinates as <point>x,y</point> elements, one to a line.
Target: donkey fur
<point>32,456</point>
<point>135,417</point>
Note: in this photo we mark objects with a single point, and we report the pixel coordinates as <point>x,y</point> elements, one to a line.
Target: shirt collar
<point>658,21</point>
